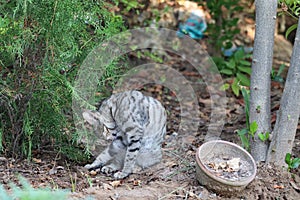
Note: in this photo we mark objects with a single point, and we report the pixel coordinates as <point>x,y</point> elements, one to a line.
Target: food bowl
<point>224,167</point>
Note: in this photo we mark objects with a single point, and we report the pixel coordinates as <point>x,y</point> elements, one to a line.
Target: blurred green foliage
<point>26,192</point>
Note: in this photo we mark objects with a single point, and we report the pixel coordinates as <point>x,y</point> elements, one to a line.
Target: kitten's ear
<point>91,117</point>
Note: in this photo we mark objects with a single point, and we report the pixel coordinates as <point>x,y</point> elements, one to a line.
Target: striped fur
<point>136,124</point>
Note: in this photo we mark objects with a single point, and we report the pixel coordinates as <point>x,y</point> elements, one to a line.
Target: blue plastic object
<point>194,26</point>
<point>234,48</point>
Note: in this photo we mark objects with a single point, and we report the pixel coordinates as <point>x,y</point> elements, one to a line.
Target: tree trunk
<point>261,72</point>
<point>288,114</point>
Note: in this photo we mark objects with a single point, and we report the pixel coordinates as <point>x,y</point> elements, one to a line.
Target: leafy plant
<point>292,163</point>
<point>246,96</point>
<point>29,193</point>
<point>39,59</point>
<point>264,136</point>
<point>245,134</point>
<point>277,76</point>
<point>221,34</point>
<point>251,128</point>
<point>236,66</point>
<point>89,180</point>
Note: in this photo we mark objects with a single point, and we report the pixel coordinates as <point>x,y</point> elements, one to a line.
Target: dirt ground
<point>174,177</point>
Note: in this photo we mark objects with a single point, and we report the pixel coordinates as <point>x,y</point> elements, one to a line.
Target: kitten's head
<point>93,135</point>
<point>93,122</point>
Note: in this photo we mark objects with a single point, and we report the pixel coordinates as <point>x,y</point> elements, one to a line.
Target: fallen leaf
<point>234,164</point>
<point>115,183</point>
<point>137,182</point>
<point>93,173</point>
<point>107,186</point>
<point>222,165</point>
<point>212,165</point>
<point>36,160</point>
<point>278,186</point>
<point>192,194</point>
<point>205,101</point>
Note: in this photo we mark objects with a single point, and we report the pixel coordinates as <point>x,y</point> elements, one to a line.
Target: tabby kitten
<point>136,124</point>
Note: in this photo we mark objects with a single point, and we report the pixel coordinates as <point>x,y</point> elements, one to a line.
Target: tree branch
<point>288,114</point>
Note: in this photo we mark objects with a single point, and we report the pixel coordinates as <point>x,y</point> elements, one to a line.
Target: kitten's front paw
<point>92,166</point>
<point>109,169</point>
<point>88,166</point>
<point>121,175</point>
